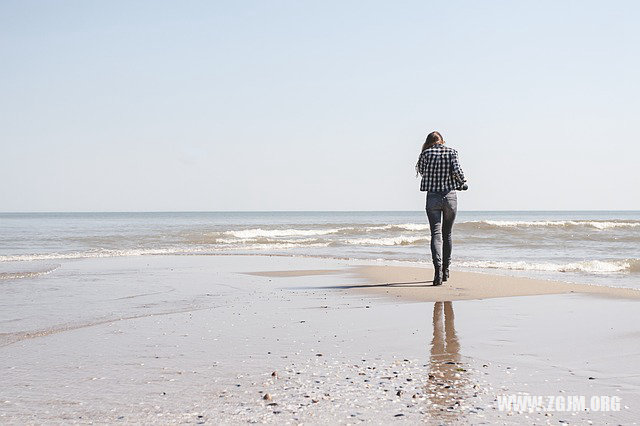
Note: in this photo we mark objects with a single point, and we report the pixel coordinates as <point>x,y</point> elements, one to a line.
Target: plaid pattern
<point>437,165</point>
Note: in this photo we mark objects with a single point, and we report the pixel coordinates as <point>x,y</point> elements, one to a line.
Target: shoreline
<point>393,263</point>
<point>415,282</point>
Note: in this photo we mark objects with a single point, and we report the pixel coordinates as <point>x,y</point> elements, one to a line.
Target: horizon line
<point>288,211</point>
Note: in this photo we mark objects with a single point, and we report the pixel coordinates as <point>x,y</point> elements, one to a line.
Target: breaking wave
<point>347,229</point>
<point>357,229</point>
<point>588,266</point>
<point>274,245</point>
<point>19,274</point>
<point>84,254</point>
<point>275,241</point>
<point>594,224</point>
<point>403,240</point>
<point>407,227</point>
<point>259,232</point>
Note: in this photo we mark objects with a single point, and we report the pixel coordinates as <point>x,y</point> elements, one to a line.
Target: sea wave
<point>356,229</point>
<point>342,229</point>
<point>402,240</point>
<point>297,242</point>
<point>274,246</point>
<point>19,274</point>
<point>588,266</point>
<point>259,232</point>
<point>104,253</point>
<point>595,224</point>
<point>407,227</point>
<point>262,242</point>
<point>86,254</point>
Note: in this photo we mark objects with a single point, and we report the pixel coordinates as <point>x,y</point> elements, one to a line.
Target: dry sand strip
<point>415,283</point>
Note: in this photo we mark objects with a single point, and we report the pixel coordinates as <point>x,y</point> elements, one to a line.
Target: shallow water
<point>594,247</point>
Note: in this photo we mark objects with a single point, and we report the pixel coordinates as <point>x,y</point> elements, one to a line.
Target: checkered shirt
<point>438,165</point>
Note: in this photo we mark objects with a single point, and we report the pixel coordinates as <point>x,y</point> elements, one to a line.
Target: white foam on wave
<point>278,246</point>
<point>588,266</point>
<point>104,253</point>
<point>19,274</point>
<point>278,233</point>
<point>408,226</point>
<point>86,254</point>
<point>302,242</point>
<point>402,240</point>
<point>274,233</point>
<point>558,223</point>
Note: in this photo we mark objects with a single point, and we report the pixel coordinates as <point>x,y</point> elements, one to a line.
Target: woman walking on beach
<point>441,176</point>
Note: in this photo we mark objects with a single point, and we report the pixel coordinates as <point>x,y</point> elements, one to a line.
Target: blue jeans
<point>441,211</point>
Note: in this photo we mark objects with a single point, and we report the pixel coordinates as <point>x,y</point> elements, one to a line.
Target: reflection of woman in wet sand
<point>448,384</point>
<point>444,345</point>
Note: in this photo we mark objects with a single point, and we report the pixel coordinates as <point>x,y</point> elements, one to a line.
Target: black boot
<point>445,272</point>
<point>437,277</point>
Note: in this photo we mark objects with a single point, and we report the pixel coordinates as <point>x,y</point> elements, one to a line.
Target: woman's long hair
<point>433,138</point>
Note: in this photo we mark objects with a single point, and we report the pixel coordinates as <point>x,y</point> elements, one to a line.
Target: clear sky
<point>316,105</point>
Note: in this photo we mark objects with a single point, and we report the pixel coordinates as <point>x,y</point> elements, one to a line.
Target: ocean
<point>595,247</point>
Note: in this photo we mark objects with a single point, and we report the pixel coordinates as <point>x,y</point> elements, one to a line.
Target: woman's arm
<point>455,166</point>
<point>420,166</point>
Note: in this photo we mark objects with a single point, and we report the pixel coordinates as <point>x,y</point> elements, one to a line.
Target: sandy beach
<point>237,339</point>
<point>227,213</point>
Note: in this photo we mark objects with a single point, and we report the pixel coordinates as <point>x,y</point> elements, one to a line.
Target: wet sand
<point>204,339</point>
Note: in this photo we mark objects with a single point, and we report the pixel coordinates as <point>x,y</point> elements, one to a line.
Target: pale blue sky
<point>300,105</point>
